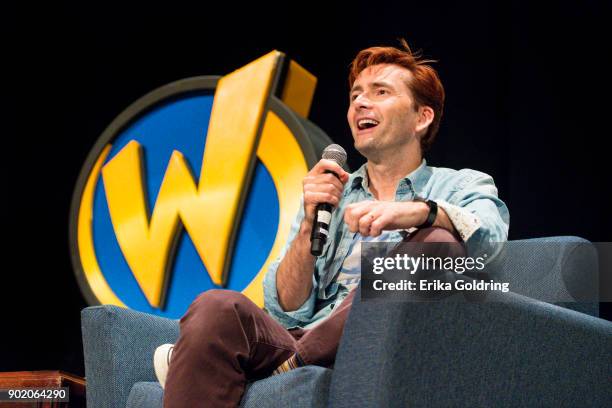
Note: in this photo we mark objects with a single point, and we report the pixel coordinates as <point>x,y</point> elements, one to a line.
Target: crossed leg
<point>226,340</point>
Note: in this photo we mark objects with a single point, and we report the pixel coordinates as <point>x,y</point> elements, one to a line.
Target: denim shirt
<point>468,196</point>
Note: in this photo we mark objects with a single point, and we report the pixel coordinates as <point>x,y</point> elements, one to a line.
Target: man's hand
<point>294,274</point>
<point>321,187</point>
<point>370,218</point>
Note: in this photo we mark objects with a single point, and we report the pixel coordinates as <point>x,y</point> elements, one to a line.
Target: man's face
<point>381,113</point>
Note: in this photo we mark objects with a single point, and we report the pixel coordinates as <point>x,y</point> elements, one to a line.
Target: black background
<point>526,102</point>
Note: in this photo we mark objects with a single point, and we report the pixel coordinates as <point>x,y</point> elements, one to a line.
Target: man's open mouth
<point>366,123</point>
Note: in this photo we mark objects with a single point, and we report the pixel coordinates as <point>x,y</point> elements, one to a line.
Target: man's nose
<point>362,101</point>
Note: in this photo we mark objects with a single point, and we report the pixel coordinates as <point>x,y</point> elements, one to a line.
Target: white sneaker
<point>161,362</point>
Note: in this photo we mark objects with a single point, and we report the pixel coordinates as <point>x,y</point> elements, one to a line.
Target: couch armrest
<point>562,270</point>
<point>515,352</point>
<point>118,346</point>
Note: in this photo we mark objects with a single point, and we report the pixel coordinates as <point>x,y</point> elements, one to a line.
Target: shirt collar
<point>417,178</point>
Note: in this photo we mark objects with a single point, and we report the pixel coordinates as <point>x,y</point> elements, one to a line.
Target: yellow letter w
<point>208,210</point>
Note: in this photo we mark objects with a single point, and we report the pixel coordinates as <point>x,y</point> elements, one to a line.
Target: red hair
<point>424,83</point>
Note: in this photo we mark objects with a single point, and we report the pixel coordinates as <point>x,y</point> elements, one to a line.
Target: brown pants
<point>226,340</point>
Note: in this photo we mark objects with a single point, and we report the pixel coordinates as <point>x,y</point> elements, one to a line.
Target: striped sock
<point>291,363</point>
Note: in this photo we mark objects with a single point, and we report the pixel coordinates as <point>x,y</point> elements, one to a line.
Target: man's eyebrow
<point>377,84</point>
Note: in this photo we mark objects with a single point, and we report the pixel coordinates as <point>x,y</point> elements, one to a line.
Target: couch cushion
<point>146,395</point>
<point>304,387</point>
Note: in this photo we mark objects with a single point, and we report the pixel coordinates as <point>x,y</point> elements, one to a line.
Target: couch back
<point>559,270</point>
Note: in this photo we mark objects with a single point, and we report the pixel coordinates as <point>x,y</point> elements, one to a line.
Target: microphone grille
<point>336,153</point>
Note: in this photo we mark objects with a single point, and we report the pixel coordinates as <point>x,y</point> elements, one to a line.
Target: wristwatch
<point>433,212</point>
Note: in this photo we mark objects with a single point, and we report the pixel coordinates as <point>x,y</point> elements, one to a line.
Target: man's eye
<point>381,92</point>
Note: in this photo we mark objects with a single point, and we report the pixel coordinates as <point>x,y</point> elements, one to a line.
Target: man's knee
<point>438,242</point>
<point>215,305</point>
<point>434,234</point>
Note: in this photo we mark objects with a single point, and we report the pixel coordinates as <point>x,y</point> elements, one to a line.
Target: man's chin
<point>366,148</point>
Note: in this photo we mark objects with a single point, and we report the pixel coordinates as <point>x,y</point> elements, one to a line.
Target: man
<point>396,103</point>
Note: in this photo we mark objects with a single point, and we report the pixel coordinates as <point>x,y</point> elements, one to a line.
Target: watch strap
<point>433,213</point>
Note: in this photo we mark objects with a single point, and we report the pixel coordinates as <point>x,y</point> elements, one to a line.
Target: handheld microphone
<point>320,225</point>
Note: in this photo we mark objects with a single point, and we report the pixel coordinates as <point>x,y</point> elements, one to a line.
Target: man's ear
<point>424,119</point>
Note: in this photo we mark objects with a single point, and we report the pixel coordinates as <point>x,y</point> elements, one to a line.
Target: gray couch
<point>518,351</point>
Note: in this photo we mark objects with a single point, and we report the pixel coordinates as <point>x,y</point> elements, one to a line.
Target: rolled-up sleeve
<point>304,313</point>
<point>480,217</point>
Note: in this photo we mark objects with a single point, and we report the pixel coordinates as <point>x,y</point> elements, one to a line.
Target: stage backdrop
<point>526,103</point>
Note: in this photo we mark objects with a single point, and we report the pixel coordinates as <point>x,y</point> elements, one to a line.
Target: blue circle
<point>181,124</point>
